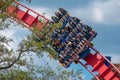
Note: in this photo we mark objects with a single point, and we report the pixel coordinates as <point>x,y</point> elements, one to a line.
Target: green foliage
<point>16,75</point>
<point>43,35</point>
<point>7,55</point>
<point>52,52</point>
<point>58,74</point>
<point>40,73</point>
<point>42,39</point>
<point>4,4</point>
<point>13,63</point>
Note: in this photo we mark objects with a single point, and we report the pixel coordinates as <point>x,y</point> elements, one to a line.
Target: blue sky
<point>102,15</point>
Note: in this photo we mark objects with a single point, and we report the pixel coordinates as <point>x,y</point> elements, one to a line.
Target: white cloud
<point>8,33</point>
<point>98,15</point>
<point>45,59</point>
<point>118,2</point>
<point>110,10</point>
<point>107,12</point>
<point>15,34</point>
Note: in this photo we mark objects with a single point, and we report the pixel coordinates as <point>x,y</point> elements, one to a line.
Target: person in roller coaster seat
<point>85,32</point>
<point>79,27</point>
<point>55,19</point>
<point>62,53</point>
<point>62,11</point>
<point>62,27</point>
<point>89,32</point>
<point>59,15</point>
<point>84,41</point>
<point>61,59</point>
<point>76,20</point>
<point>60,49</point>
<point>67,16</point>
<point>71,34</point>
<point>68,58</point>
<point>63,33</point>
<point>76,30</point>
<point>64,20</point>
<point>54,35</point>
<point>88,28</point>
<point>56,42</point>
<point>73,54</point>
<point>80,45</point>
<point>63,62</point>
<point>68,27</point>
<point>72,24</point>
<point>79,37</point>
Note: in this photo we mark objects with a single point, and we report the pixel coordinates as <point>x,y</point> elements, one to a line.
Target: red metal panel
<point>93,60</point>
<point>108,75</point>
<point>115,78</point>
<point>101,68</point>
<point>97,65</point>
<point>97,61</point>
<point>10,9</point>
<point>29,19</point>
<point>20,14</point>
<point>89,70</point>
<point>31,10</point>
<point>24,18</point>
<point>88,57</point>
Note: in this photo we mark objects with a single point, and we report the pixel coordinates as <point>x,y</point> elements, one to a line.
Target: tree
<point>8,57</point>
<point>58,74</point>
<point>11,60</point>
<point>41,73</point>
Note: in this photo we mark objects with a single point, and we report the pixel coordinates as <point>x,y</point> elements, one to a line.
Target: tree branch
<point>6,67</point>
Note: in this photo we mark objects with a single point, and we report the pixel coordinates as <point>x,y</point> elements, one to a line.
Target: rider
<point>62,11</point>
<point>55,19</point>
<point>59,15</point>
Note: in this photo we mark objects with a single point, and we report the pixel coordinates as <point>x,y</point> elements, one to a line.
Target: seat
<point>29,19</point>
<point>20,14</point>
